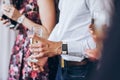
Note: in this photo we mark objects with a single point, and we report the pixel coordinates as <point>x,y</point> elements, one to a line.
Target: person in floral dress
<point>39,14</point>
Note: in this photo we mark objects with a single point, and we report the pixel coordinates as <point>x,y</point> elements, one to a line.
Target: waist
<point>75,63</point>
<point>73,58</point>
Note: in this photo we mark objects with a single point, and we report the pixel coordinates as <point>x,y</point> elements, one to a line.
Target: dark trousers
<point>53,67</point>
<point>80,72</point>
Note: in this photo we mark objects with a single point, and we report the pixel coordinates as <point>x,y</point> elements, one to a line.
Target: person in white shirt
<point>71,37</point>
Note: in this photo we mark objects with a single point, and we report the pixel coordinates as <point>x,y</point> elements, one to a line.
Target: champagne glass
<point>31,33</point>
<point>31,59</point>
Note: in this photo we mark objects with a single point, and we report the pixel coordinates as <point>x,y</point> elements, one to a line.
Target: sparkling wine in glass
<point>31,33</point>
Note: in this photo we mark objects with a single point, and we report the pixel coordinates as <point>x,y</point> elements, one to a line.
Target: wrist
<point>59,49</point>
<point>62,49</point>
<point>20,19</point>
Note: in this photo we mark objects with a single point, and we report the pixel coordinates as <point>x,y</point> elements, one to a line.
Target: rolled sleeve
<point>101,11</point>
<point>77,48</point>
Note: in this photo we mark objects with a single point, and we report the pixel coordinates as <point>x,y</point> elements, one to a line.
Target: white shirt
<point>73,26</point>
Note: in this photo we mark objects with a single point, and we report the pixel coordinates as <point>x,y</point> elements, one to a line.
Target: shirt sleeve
<point>101,11</point>
<point>77,48</point>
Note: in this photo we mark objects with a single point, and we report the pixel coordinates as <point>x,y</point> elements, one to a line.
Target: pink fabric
<point>21,47</point>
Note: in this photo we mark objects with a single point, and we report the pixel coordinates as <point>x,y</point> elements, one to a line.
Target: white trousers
<point>7,38</point>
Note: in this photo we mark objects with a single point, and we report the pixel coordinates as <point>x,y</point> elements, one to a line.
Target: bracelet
<point>21,19</point>
<point>17,25</point>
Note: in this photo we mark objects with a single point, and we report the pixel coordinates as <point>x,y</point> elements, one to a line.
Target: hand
<point>39,65</point>
<point>92,31</point>
<point>45,47</point>
<point>93,54</point>
<point>98,34</point>
<point>4,22</point>
<point>11,12</point>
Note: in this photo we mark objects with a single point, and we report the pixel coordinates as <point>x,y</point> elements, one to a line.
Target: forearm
<point>37,27</point>
<point>30,24</point>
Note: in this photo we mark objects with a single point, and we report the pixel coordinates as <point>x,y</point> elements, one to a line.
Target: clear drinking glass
<point>31,33</point>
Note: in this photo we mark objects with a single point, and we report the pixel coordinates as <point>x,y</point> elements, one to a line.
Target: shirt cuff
<point>78,48</point>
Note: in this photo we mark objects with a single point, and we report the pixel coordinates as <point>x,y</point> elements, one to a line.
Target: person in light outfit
<point>71,37</point>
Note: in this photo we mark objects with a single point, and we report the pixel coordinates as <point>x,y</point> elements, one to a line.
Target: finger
<point>36,45</point>
<point>37,50</point>
<point>8,11</point>
<point>91,27</point>
<point>29,63</point>
<point>35,67</point>
<point>4,21</point>
<point>36,37</point>
<point>1,18</point>
<point>30,35</point>
<point>48,53</point>
<point>5,7</point>
<point>89,51</point>
<point>92,32</point>
<point>41,60</point>
<point>38,55</point>
<point>32,59</point>
<point>39,45</point>
<point>41,69</point>
<point>45,54</point>
<point>89,54</point>
<point>8,24</point>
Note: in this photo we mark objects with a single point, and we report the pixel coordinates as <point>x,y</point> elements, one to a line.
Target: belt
<point>73,63</point>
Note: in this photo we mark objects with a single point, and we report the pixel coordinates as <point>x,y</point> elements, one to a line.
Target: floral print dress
<point>18,68</point>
